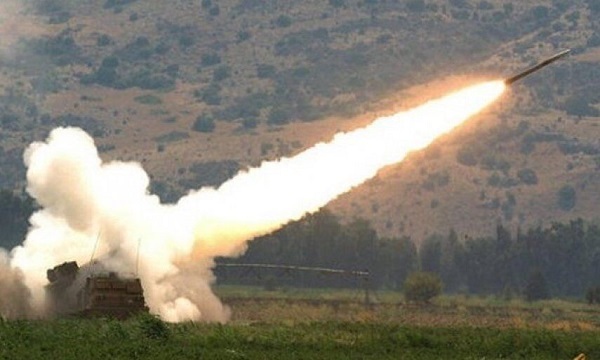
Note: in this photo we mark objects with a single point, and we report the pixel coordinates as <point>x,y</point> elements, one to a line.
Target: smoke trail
<point>82,197</point>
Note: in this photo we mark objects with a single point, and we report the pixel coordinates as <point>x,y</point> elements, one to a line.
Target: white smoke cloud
<point>83,198</point>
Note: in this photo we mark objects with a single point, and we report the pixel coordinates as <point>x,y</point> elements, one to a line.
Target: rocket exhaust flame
<point>82,197</point>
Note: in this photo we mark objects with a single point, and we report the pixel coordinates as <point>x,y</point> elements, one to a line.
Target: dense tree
<point>536,288</point>
<point>430,254</point>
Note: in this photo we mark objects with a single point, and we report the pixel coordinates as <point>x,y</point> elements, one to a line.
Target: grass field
<point>324,324</point>
<point>148,338</point>
<point>292,306</point>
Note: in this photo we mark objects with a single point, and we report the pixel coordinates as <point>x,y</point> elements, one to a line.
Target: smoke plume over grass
<point>82,198</point>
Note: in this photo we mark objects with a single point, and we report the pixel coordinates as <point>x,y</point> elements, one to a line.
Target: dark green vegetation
<point>148,338</point>
<point>560,261</point>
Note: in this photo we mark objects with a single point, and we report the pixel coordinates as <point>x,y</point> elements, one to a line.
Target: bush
<point>527,176</point>
<point>186,40</point>
<point>204,123</point>
<point>116,3</point>
<point>422,287</point>
<point>264,71</point>
<point>210,59</point>
<point>214,11</point>
<point>103,40</point>
<point>416,5</point>
<point>153,327</point>
<point>485,5</point>
<point>279,116</point>
<point>146,79</point>
<point>148,99</point>
<point>221,73</point>
<point>250,123</point>
<point>283,21</point>
<point>567,198</point>
<point>466,156</point>
<point>579,105</point>
<point>243,35</point>
<point>540,12</point>
<point>211,95</point>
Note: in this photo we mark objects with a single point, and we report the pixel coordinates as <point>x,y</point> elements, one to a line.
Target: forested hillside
<point>197,90</point>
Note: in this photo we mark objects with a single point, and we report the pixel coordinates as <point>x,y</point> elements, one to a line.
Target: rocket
<point>535,68</point>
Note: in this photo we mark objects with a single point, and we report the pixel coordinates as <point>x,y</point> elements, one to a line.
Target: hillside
<point>150,79</point>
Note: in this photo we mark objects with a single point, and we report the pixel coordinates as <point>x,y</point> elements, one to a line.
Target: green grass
<point>148,338</point>
<point>302,306</point>
<point>394,297</point>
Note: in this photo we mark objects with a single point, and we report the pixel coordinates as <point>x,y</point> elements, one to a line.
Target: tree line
<point>562,260</point>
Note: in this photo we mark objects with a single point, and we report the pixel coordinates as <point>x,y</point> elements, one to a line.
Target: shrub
<point>250,123</point>
<point>172,70</point>
<point>110,62</point>
<point>527,176</point>
<point>485,5</point>
<point>210,59</point>
<point>186,40</point>
<point>283,21</point>
<point>415,5</point>
<point>221,73</point>
<point>460,3</point>
<point>172,136</point>
<point>153,327</point>
<point>279,116</point>
<point>145,79</point>
<point>466,156</point>
<point>579,105</point>
<point>148,99</point>
<point>422,287</point>
<point>214,11</point>
<point>211,95</point>
<point>567,198</point>
<point>264,71</point>
<point>103,40</point>
<point>204,123</point>
<point>116,3</point>
<point>243,35</point>
<point>162,47</point>
<point>540,12</point>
